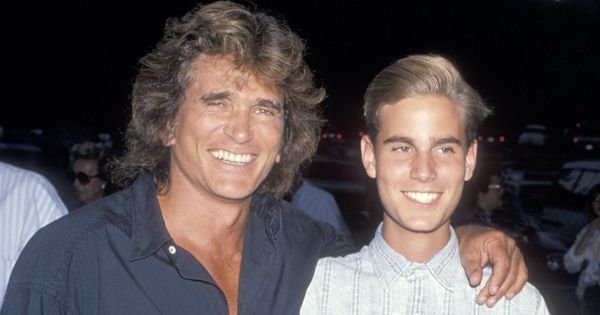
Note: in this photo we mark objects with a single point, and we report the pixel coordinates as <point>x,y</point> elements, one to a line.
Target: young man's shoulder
<point>528,301</point>
<point>346,265</point>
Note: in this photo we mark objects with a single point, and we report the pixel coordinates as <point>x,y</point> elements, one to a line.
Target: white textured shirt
<point>378,280</point>
<point>589,261</point>
<point>27,203</point>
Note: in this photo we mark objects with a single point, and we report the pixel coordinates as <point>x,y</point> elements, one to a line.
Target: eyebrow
<point>225,95</point>
<point>215,96</point>
<point>396,139</point>
<point>446,140</point>
<point>435,141</point>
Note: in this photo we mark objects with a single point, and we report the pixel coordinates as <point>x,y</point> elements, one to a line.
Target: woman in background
<point>88,171</point>
<point>584,256</point>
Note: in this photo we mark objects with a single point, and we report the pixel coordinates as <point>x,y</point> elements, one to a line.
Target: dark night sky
<point>73,62</point>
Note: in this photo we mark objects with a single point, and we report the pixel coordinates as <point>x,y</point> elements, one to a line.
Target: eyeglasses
<point>82,177</point>
<point>494,186</point>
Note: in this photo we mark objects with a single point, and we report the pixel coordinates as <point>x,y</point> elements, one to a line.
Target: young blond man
<point>420,149</point>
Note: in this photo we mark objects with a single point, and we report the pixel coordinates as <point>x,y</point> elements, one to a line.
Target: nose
<point>239,127</point>
<point>423,168</point>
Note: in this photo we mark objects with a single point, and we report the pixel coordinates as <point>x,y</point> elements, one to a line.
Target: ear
<point>168,134</point>
<point>470,160</point>
<point>368,156</point>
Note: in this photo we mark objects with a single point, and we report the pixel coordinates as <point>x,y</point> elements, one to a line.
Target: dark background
<point>72,63</point>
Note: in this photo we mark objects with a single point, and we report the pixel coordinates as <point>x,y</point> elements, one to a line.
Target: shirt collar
<point>390,266</point>
<point>148,226</point>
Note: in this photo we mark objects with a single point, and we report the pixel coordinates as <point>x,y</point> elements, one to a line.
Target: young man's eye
<point>401,148</point>
<point>447,150</point>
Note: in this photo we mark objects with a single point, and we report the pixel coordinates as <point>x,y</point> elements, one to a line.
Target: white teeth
<point>231,157</point>
<point>422,197</point>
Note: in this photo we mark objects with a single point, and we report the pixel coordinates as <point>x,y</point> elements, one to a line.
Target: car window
<point>588,180</point>
<point>579,181</point>
<point>568,179</point>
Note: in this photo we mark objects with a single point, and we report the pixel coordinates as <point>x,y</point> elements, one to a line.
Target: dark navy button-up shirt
<point>116,257</point>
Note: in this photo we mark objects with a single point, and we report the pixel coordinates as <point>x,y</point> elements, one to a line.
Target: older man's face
<point>228,132</point>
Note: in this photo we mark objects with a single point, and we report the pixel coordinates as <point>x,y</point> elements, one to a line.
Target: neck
<point>415,246</point>
<point>191,216</point>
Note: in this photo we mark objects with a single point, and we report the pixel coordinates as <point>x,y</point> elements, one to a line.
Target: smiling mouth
<point>231,157</point>
<point>422,197</point>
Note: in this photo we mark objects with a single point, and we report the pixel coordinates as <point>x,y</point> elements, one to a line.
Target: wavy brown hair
<point>260,44</point>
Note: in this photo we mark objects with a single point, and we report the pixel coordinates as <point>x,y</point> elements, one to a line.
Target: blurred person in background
<point>584,257</point>
<point>483,202</point>
<point>89,173</point>
<point>28,201</point>
<point>318,204</point>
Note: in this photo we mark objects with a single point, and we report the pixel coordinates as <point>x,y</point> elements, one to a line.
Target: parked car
<point>557,211</point>
<point>533,134</point>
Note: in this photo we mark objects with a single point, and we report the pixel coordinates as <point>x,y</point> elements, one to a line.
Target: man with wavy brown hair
<point>224,111</point>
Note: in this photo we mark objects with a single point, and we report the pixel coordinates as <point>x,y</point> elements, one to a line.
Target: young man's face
<point>228,132</point>
<point>420,161</point>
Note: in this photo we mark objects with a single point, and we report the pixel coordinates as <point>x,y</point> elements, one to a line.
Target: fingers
<point>500,257</point>
<point>510,280</point>
<point>473,269</point>
<point>521,277</point>
<point>472,251</point>
<point>500,272</point>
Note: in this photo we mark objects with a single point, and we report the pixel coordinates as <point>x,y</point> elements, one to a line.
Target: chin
<point>235,194</point>
<point>423,227</point>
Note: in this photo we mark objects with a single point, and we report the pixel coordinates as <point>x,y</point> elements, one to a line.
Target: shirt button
<point>172,250</point>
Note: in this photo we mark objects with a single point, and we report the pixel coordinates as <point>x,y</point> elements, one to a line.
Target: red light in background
<point>501,139</point>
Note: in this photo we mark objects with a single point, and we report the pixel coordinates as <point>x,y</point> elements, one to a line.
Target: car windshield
<point>581,179</point>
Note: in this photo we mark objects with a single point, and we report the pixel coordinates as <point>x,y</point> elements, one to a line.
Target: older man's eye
<point>264,111</point>
<point>215,104</point>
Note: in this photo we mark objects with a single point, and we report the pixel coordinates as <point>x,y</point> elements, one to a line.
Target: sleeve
<point>44,206</point>
<point>335,244</point>
<point>30,301</point>
<point>48,204</point>
<point>572,262</point>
